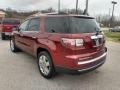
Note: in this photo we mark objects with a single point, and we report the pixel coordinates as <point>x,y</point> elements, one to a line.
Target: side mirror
<point>53,31</point>
<point>14,29</point>
<point>18,29</point>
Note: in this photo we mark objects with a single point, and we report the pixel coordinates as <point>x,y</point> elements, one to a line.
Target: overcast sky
<point>95,6</point>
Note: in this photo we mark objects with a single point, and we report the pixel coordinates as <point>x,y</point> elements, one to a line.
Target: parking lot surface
<point>19,71</point>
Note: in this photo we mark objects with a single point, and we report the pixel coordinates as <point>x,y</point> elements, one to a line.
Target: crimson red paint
<point>7,25</point>
<point>74,42</point>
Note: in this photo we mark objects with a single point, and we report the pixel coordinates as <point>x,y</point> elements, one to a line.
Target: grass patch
<point>114,36</point>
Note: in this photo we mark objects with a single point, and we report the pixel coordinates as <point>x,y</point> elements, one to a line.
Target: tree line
<point>104,20</point>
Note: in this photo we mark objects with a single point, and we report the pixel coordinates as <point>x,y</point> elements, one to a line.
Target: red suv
<point>6,26</point>
<point>61,43</point>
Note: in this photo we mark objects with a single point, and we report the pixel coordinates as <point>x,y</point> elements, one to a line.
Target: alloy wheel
<point>44,65</point>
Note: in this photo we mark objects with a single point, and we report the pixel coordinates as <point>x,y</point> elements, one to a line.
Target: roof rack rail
<point>56,13</point>
<point>53,13</point>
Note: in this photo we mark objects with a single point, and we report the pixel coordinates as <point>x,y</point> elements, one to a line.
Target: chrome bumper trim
<point>7,33</point>
<point>91,67</point>
<point>92,60</point>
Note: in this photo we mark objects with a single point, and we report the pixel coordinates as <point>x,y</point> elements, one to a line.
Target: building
<point>2,14</point>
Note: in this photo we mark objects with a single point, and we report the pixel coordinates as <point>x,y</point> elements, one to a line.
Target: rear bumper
<point>80,70</point>
<point>75,66</point>
<point>92,60</point>
<point>6,33</point>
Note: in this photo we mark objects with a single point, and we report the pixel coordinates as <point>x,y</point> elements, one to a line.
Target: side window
<point>23,26</point>
<point>34,24</point>
<point>57,24</point>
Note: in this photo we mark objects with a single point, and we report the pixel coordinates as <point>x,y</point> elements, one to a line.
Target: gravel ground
<point>19,71</point>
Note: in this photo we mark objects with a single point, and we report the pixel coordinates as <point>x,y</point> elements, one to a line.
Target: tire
<point>3,36</point>
<point>45,65</point>
<point>13,46</point>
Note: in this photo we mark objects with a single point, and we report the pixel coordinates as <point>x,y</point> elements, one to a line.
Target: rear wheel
<point>13,46</point>
<point>45,65</point>
<point>3,36</point>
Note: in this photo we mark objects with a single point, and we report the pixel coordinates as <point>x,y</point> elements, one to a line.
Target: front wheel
<point>13,46</point>
<point>45,65</point>
<point>3,36</point>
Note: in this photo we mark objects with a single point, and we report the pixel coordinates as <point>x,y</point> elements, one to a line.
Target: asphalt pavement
<point>19,71</point>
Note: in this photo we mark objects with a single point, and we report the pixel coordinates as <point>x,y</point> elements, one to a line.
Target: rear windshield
<point>71,25</point>
<point>11,21</point>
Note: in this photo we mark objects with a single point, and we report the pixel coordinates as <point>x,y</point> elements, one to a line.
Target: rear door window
<point>57,25</point>
<point>34,24</point>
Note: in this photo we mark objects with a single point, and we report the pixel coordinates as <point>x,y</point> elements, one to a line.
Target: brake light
<point>72,42</point>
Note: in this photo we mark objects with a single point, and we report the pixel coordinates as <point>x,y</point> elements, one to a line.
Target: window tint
<point>23,26</point>
<point>34,24</point>
<point>57,24</point>
<point>71,25</point>
<point>83,25</point>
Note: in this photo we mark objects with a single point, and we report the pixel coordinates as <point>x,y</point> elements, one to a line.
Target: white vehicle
<point>115,29</point>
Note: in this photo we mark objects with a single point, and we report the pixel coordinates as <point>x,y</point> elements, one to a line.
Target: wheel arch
<point>40,49</point>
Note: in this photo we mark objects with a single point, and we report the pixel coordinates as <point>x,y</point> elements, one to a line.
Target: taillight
<point>72,42</point>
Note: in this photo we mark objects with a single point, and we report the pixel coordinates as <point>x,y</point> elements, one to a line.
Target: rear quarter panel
<point>52,42</point>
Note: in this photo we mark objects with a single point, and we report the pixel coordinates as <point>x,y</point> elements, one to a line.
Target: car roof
<point>59,15</point>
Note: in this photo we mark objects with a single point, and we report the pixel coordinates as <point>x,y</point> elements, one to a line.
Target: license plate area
<point>7,33</point>
<point>97,40</point>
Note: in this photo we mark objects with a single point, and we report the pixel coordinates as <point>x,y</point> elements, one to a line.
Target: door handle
<point>21,35</point>
<point>34,37</point>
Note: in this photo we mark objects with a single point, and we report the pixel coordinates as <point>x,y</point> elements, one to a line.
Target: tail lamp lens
<point>73,42</point>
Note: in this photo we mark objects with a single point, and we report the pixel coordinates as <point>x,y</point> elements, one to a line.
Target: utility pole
<point>109,17</point>
<point>76,6</point>
<point>58,6</point>
<point>86,10</point>
<point>109,12</point>
<point>111,21</point>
